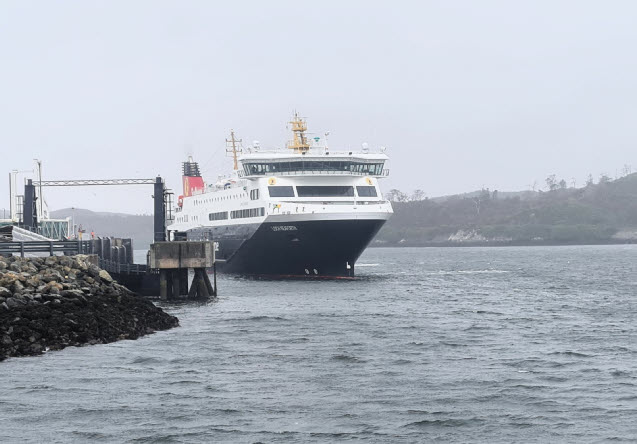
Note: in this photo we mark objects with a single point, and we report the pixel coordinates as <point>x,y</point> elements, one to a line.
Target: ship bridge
<point>285,164</point>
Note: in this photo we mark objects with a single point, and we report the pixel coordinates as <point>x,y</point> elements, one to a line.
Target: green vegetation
<point>602,213</point>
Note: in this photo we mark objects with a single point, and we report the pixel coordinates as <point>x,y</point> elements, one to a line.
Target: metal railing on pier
<point>50,247</point>
<point>118,267</point>
<point>115,255</point>
<point>170,261</point>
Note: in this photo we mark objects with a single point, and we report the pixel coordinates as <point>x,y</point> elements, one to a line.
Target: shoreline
<point>60,301</point>
<point>495,244</point>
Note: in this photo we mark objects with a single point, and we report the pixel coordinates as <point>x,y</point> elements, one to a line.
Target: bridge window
<point>362,168</point>
<point>281,191</point>
<point>325,191</point>
<point>366,191</point>
<point>254,194</point>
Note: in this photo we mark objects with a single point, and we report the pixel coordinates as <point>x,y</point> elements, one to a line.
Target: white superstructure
<point>298,192</point>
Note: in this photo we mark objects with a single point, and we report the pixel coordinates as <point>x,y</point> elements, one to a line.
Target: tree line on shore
<point>600,212</point>
<point>551,181</point>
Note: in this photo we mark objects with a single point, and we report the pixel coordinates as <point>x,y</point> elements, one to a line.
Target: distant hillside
<point>137,227</point>
<point>602,213</point>
<point>502,194</point>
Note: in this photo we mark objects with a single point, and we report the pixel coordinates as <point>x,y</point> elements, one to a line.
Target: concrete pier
<point>174,259</point>
<point>166,273</point>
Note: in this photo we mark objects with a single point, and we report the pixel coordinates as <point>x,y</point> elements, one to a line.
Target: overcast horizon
<point>464,95</point>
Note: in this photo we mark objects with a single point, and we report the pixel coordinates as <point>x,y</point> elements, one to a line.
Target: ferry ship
<point>305,211</point>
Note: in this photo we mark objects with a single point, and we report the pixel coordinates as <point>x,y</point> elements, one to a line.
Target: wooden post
<point>199,289</point>
<point>183,291</point>
<point>163,285</point>
<point>202,289</point>
<point>206,279</point>
<point>176,287</point>
<point>214,277</point>
<point>192,293</point>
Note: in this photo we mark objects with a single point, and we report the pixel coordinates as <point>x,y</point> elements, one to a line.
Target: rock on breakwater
<point>55,302</point>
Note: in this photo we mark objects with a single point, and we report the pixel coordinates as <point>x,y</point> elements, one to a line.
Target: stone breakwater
<point>55,302</point>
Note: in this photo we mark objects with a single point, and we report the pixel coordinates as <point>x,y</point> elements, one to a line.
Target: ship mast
<point>234,146</point>
<point>299,144</point>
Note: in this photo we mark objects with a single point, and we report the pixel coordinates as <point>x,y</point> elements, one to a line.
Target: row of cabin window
<point>222,215</point>
<point>248,212</point>
<point>216,199</point>
<point>285,167</point>
<point>184,218</point>
<point>237,214</point>
<point>322,191</point>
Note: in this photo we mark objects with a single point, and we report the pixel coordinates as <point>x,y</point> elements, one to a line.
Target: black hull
<point>308,248</point>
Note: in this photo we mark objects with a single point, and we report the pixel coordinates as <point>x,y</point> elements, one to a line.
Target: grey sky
<point>464,94</point>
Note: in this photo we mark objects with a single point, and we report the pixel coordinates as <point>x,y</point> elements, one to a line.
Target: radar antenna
<point>233,146</point>
<point>299,144</point>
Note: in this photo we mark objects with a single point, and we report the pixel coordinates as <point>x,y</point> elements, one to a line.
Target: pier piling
<point>174,259</point>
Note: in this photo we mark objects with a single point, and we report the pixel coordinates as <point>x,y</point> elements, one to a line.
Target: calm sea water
<point>465,344</point>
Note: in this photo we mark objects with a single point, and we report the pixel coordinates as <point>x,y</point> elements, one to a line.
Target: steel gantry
<point>84,182</point>
<point>162,197</point>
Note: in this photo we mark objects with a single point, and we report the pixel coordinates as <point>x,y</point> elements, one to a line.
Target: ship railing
<point>313,207</point>
<point>383,173</point>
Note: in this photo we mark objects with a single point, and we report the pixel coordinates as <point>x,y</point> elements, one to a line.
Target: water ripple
<point>455,345</point>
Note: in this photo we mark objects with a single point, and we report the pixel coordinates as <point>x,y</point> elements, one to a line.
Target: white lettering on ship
<point>284,228</point>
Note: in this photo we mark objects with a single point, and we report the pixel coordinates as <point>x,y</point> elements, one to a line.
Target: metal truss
<point>73,183</point>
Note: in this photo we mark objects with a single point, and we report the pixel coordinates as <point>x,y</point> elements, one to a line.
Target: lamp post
<point>73,221</point>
